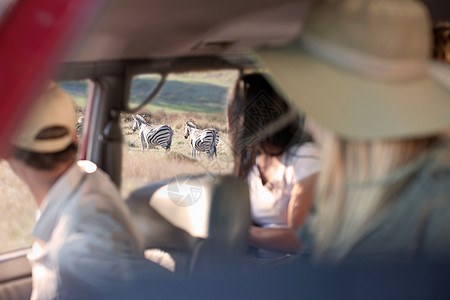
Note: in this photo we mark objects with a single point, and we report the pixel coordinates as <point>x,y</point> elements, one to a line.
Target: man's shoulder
<point>96,201</point>
<point>96,181</point>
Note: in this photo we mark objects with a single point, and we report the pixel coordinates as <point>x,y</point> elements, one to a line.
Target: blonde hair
<point>359,179</point>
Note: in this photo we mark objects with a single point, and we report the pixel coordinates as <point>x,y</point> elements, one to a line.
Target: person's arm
<point>284,239</point>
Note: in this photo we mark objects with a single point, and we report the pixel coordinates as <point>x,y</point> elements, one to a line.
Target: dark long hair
<point>258,114</point>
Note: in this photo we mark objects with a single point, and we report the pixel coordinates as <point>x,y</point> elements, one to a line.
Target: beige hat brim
<point>354,106</point>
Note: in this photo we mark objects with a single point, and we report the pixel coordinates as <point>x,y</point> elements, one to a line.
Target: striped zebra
<point>152,135</point>
<point>205,140</point>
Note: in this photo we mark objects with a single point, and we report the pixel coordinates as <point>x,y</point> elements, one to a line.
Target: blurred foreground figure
<point>85,243</point>
<point>362,69</point>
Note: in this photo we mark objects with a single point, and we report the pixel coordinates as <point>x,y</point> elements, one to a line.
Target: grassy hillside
<point>180,96</point>
<point>201,92</point>
<point>77,90</point>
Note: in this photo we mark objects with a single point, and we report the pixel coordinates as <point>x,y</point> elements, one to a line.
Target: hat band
<point>375,67</point>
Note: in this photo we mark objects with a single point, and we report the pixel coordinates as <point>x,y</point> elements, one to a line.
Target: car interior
<point>129,38</point>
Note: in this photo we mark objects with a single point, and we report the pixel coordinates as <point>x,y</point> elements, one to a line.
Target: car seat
<point>199,221</point>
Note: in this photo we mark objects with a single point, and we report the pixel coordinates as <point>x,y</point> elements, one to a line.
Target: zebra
<point>205,140</point>
<point>152,135</point>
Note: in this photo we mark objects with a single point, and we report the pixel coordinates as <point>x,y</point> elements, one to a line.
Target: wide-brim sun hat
<point>54,108</point>
<point>363,69</point>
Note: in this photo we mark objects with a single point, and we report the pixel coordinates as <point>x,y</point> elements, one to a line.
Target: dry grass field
<point>17,211</point>
<point>140,167</point>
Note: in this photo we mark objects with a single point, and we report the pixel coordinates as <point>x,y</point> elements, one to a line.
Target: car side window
<point>18,209</point>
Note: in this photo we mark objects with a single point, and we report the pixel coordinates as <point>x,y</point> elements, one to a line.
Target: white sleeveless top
<point>269,203</point>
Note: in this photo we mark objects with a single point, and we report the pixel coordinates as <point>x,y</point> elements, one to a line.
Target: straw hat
<point>362,68</point>
<point>54,108</point>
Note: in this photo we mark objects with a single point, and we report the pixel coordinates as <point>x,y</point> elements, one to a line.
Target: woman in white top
<point>279,161</point>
